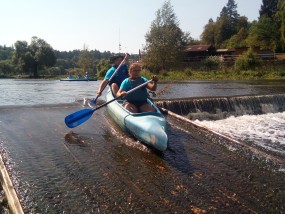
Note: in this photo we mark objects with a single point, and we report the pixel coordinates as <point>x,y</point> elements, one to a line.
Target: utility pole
<point>119,42</point>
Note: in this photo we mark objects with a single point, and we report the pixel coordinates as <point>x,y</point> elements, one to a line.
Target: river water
<point>97,168</point>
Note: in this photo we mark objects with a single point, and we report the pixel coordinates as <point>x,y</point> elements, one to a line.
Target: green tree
<point>239,39</point>
<point>5,52</point>
<point>222,31</point>
<point>268,8</point>
<point>6,67</point>
<point>227,23</point>
<point>22,56</point>
<point>208,34</point>
<point>86,60</point>
<point>102,67</point>
<point>230,12</point>
<point>31,58</point>
<point>264,34</point>
<point>165,41</point>
<point>280,17</point>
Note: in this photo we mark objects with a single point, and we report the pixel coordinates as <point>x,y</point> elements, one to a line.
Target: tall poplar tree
<point>165,40</point>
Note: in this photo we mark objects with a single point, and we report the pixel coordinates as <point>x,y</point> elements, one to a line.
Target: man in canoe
<point>116,81</point>
<point>137,100</point>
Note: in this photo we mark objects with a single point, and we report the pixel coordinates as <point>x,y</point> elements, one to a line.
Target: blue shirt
<point>139,94</point>
<point>121,74</point>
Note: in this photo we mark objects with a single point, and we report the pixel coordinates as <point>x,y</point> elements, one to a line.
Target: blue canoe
<point>148,127</point>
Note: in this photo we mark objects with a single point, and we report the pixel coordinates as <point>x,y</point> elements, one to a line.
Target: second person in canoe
<point>137,101</point>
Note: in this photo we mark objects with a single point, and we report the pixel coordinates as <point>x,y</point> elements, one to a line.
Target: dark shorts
<point>138,104</point>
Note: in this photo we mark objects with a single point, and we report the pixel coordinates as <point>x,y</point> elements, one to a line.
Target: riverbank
<point>190,74</point>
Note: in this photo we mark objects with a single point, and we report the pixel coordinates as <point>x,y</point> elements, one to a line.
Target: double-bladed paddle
<point>79,117</point>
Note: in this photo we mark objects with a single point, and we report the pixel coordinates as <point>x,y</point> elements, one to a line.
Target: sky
<point>104,24</point>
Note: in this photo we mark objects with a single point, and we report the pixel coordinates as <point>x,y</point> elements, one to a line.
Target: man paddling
<point>121,74</point>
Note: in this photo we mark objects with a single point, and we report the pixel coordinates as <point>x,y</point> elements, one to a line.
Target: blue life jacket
<point>138,95</point>
<point>120,76</point>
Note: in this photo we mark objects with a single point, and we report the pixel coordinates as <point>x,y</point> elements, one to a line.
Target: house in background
<point>264,54</point>
<point>198,52</point>
<point>227,54</point>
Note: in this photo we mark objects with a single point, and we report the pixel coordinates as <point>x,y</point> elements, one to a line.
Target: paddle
<point>79,117</point>
<point>93,101</point>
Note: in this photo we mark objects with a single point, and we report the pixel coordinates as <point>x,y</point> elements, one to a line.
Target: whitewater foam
<point>267,130</point>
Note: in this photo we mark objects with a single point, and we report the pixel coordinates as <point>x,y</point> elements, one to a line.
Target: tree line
<point>230,30</point>
<point>164,43</point>
<point>39,58</point>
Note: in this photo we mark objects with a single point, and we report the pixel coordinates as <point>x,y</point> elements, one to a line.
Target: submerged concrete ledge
<point>203,133</point>
<point>12,198</point>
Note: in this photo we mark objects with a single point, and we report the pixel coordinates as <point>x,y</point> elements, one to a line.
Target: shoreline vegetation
<point>186,74</point>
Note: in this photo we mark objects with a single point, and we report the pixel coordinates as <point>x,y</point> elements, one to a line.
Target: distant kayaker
<point>87,76</point>
<point>137,100</point>
<point>69,75</point>
<point>116,81</point>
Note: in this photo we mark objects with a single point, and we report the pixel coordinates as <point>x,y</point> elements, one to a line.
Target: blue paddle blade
<point>93,101</point>
<point>79,117</point>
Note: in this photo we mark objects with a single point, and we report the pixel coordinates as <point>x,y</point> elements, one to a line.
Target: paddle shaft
<point>128,92</point>
<point>115,72</point>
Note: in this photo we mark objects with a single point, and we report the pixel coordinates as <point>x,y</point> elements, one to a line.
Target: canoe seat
<point>121,101</point>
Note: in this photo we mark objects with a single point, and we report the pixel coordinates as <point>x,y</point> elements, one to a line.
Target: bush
<point>6,67</point>
<point>102,67</point>
<point>188,72</point>
<point>213,63</point>
<point>282,73</point>
<point>247,61</point>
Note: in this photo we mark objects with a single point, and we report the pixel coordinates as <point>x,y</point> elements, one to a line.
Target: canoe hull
<point>148,127</point>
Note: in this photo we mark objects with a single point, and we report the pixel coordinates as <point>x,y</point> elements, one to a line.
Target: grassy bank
<point>188,74</point>
<point>218,75</point>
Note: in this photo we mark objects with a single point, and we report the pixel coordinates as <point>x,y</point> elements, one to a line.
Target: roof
<point>197,48</point>
<point>225,50</point>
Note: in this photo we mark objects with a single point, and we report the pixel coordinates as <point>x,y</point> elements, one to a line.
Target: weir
<point>204,134</point>
<point>215,108</point>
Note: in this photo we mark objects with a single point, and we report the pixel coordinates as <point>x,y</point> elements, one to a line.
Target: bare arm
<point>121,92</point>
<point>102,86</point>
<point>152,85</point>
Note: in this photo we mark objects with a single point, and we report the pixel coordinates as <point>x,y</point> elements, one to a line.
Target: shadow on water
<point>73,138</point>
<point>176,154</point>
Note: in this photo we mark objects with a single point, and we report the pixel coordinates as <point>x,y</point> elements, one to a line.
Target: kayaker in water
<point>69,75</point>
<point>137,100</point>
<point>87,76</point>
<point>118,78</point>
